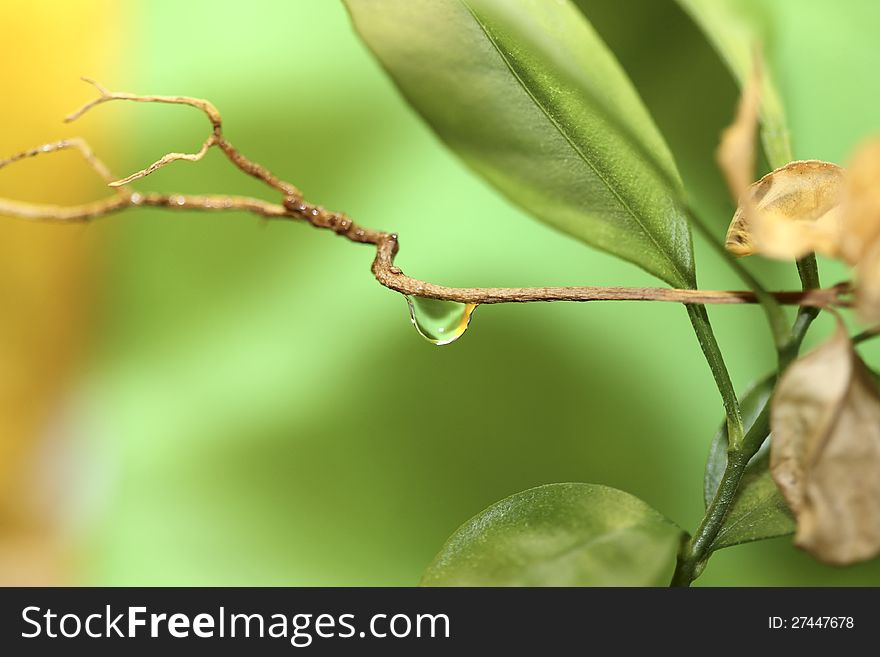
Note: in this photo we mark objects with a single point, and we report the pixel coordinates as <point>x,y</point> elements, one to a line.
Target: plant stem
<point>773,311</point>
<point>808,271</point>
<point>695,551</point>
<point>702,327</point>
<point>706,337</point>
<point>867,334</point>
<point>790,351</point>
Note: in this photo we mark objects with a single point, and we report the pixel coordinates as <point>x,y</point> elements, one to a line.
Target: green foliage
<point>316,466</point>
<point>738,31</point>
<point>530,97</point>
<point>671,68</point>
<point>560,535</point>
<point>528,94</point>
<point>758,510</point>
<point>752,405</point>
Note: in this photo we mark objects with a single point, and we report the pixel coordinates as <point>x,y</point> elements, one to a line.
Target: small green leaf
<point>735,29</point>
<point>751,405</point>
<point>560,535</point>
<point>531,98</point>
<point>758,510</point>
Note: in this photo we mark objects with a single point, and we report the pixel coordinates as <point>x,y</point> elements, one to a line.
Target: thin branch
<point>167,159</point>
<point>216,138</point>
<point>85,211</point>
<point>294,207</point>
<point>208,108</point>
<point>867,334</point>
<point>75,143</point>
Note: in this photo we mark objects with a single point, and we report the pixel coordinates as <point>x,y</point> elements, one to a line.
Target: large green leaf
<point>670,68</point>
<point>529,96</point>
<point>560,535</point>
<point>736,29</point>
<point>758,510</point>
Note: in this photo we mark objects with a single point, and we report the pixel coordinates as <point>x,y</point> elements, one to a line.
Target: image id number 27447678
<point>811,622</point>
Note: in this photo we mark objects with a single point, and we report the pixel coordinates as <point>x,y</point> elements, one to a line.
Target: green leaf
<point>529,96</point>
<point>736,29</point>
<point>670,67</point>
<point>751,405</point>
<point>758,510</point>
<point>560,535</point>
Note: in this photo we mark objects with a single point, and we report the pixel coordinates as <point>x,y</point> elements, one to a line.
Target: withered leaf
<point>736,151</point>
<point>825,454</point>
<point>860,225</point>
<point>790,212</point>
<point>868,285</point>
<point>860,228</point>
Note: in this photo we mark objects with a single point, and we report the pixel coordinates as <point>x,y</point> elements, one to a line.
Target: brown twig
<point>294,207</point>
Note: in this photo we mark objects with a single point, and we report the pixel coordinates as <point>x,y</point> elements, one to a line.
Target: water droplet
<point>440,322</point>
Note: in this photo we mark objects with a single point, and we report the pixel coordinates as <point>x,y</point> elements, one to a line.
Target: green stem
<point>867,334</point>
<point>802,322</point>
<point>808,270</point>
<point>695,551</point>
<point>703,329</point>
<point>809,273</point>
<point>706,337</point>
<point>772,309</point>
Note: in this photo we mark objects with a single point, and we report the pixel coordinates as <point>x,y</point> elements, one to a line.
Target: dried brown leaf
<point>790,212</point>
<point>736,151</point>
<point>825,454</point>
<point>860,228</point>
<point>860,225</point>
<point>868,285</point>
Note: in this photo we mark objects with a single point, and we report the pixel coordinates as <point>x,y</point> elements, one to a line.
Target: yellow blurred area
<point>204,399</point>
<point>44,269</point>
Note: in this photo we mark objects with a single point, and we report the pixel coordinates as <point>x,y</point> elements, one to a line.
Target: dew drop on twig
<point>439,322</point>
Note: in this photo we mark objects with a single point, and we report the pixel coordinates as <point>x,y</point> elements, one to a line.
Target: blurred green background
<point>249,407</point>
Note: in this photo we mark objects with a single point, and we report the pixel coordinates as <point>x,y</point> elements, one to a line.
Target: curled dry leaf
<point>868,285</point>
<point>805,206</point>
<point>825,454</point>
<point>817,206</point>
<point>860,228</point>
<point>736,151</point>
<point>790,212</point>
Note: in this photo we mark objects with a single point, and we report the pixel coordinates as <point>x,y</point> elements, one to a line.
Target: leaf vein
<point>562,131</point>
